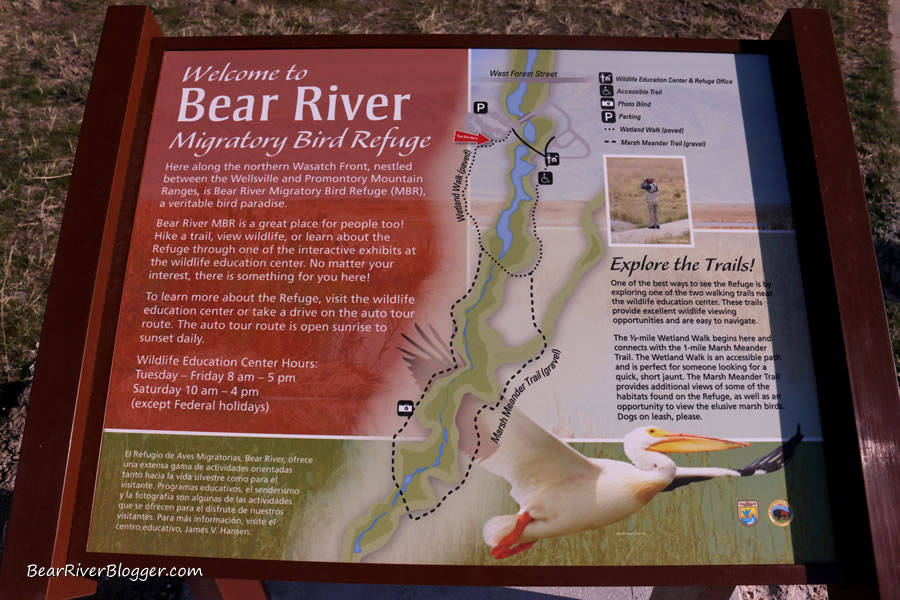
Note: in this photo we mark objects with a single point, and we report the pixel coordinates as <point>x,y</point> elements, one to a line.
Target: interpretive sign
<point>308,219</point>
<point>459,307</point>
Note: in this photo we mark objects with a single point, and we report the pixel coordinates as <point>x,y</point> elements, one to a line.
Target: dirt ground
<point>673,232</point>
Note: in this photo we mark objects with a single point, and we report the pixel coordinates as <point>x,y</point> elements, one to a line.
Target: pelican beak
<point>682,442</point>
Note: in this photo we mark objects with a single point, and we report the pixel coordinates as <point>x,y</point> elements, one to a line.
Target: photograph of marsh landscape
<point>722,215</point>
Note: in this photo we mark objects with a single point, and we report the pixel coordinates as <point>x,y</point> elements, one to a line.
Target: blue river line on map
<point>520,169</point>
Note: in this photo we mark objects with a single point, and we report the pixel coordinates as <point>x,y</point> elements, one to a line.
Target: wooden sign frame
<point>852,353</point>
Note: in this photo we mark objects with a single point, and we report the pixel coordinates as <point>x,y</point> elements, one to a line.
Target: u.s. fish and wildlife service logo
<point>748,512</point>
<point>780,513</point>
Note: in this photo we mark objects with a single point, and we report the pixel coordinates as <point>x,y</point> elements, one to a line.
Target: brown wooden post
<point>62,436</point>
<point>709,592</point>
<point>41,512</point>
<point>207,588</point>
<point>873,378</point>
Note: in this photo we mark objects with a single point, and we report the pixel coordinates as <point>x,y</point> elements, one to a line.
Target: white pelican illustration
<point>561,492</point>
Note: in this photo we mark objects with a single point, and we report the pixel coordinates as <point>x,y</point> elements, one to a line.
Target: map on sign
<point>463,307</point>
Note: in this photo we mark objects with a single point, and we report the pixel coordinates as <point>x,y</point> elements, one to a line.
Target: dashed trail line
<point>483,251</point>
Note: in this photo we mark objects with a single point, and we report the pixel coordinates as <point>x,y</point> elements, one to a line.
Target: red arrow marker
<point>464,136</point>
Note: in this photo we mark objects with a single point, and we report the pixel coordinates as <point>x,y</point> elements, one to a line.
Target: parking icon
<point>608,116</point>
<point>480,107</point>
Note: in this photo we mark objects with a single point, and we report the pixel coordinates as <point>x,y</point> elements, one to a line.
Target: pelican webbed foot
<point>507,547</point>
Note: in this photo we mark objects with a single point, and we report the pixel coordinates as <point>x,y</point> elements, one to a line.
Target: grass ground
<point>47,51</point>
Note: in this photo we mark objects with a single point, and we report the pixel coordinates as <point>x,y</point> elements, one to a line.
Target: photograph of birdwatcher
<point>648,201</point>
<point>650,186</point>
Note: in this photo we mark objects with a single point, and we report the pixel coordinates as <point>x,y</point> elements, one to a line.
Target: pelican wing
<point>528,456</point>
<point>771,462</point>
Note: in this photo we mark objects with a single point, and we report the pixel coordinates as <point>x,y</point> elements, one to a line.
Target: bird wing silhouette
<point>429,357</point>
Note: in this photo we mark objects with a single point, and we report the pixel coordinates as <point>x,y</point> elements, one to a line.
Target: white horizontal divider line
<point>266,435</point>
<point>382,438</point>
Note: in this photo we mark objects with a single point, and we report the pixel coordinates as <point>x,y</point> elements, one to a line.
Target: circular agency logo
<point>780,513</point>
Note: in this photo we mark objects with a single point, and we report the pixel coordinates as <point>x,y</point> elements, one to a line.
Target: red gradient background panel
<point>335,397</point>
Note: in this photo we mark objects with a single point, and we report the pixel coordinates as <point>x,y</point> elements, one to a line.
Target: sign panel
<point>453,306</point>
